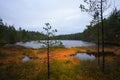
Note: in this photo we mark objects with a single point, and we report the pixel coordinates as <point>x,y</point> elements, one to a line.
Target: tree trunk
<point>103,54</point>
<point>98,43</point>
<point>48,58</point>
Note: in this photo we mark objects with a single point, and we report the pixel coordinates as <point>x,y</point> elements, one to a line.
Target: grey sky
<point>64,15</point>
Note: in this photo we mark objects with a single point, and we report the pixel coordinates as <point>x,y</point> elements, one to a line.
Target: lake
<point>66,43</point>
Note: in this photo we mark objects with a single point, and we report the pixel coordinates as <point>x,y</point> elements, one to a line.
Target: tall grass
<point>12,67</point>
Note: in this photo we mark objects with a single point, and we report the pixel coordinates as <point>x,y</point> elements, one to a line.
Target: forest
<point>8,34</point>
<point>111,30</point>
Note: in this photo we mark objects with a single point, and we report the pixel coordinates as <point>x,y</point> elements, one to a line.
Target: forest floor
<point>62,67</point>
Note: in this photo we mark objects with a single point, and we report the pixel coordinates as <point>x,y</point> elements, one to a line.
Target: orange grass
<point>15,54</point>
<point>62,66</point>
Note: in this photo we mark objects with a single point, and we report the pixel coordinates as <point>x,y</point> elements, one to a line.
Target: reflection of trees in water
<point>100,54</point>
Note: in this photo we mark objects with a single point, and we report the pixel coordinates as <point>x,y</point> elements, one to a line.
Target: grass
<point>61,66</point>
<point>86,70</point>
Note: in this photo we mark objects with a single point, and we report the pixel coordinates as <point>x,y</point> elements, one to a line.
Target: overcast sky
<point>63,15</point>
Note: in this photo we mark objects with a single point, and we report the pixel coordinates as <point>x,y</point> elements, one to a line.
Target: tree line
<point>111,30</point>
<point>8,34</point>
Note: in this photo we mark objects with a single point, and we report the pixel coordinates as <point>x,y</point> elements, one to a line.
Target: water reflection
<point>66,43</point>
<point>26,58</point>
<point>76,43</point>
<point>84,56</point>
<point>91,56</point>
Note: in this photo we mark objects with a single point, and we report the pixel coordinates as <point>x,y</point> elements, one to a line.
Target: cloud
<point>32,14</point>
<point>72,17</point>
<point>63,15</point>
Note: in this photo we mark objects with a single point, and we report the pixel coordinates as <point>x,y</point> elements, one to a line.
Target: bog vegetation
<point>62,66</point>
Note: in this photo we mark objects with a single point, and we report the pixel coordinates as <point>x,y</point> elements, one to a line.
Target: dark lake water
<point>66,43</point>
